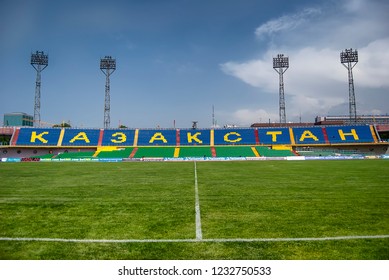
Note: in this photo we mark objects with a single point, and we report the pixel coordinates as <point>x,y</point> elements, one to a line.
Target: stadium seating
<point>157,137</point>
<point>235,137</point>
<point>120,137</point>
<point>234,151</point>
<point>80,137</point>
<point>310,135</point>
<point>120,153</point>
<point>74,155</point>
<point>268,152</point>
<point>274,136</point>
<point>173,143</point>
<point>200,137</point>
<point>350,134</point>
<point>195,152</point>
<point>154,152</point>
<point>38,137</point>
<point>44,156</point>
<point>194,137</point>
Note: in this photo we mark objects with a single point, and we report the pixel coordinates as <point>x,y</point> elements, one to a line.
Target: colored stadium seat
<point>309,135</point>
<point>120,153</point>
<point>274,136</point>
<point>195,152</point>
<point>268,152</point>
<point>38,136</point>
<point>120,137</point>
<point>81,137</point>
<point>157,137</point>
<point>234,137</point>
<point>350,134</point>
<point>75,155</point>
<point>195,137</point>
<point>234,151</point>
<point>154,152</point>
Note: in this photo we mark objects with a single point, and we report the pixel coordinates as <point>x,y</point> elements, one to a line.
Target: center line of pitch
<point>199,234</point>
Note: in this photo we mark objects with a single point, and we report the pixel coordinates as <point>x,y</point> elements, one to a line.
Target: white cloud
<point>286,22</point>
<point>316,82</point>
<point>372,69</point>
<point>245,117</point>
<point>257,73</point>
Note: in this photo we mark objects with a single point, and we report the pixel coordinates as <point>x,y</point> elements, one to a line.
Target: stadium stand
<point>119,153</point>
<point>74,155</point>
<point>350,134</point>
<point>195,137</point>
<point>329,152</point>
<point>157,138</point>
<point>235,137</point>
<point>274,136</point>
<point>44,156</point>
<point>206,137</point>
<point>122,137</point>
<point>195,152</point>
<point>268,152</point>
<point>234,151</point>
<point>30,142</point>
<point>310,135</point>
<point>80,137</point>
<point>154,152</point>
<point>37,137</point>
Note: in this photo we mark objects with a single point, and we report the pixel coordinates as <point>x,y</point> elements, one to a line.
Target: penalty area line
<point>214,240</point>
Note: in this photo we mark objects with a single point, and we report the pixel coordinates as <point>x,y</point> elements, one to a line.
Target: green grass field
<point>146,210</point>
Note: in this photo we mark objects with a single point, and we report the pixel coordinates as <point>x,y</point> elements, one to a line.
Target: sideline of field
<point>194,240</point>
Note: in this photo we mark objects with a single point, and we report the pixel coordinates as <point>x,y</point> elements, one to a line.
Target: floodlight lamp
<point>349,56</point>
<point>108,63</point>
<point>39,58</point>
<point>281,61</point>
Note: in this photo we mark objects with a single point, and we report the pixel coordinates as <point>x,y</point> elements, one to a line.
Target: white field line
<point>199,234</point>
<point>215,240</point>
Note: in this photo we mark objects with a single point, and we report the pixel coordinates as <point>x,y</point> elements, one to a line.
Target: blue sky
<point>178,58</point>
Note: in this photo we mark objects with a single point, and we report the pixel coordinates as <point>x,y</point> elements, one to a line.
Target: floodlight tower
<point>349,59</point>
<point>280,65</point>
<point>39,61</point>
<point>107,66</point>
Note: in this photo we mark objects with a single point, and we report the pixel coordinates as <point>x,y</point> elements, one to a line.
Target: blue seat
<point>81,137</point>
<point>119,137</point>
<point>308,135</point>
<point>234,137</point>
<point>194,137</point>
<point>38,136</point>
<point>349,134</point>
<point>157,137</point>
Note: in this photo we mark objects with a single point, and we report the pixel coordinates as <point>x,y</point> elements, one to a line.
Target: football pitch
<point>195,210</point>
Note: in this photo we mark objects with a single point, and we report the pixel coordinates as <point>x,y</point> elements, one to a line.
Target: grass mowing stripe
<point>199,234</point>
<point>216,240</point>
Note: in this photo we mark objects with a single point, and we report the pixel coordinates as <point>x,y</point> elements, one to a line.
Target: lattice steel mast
<point>280,65</point>
<point>107,66</point>
<point>39,61</point>
<point>349,59</point>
